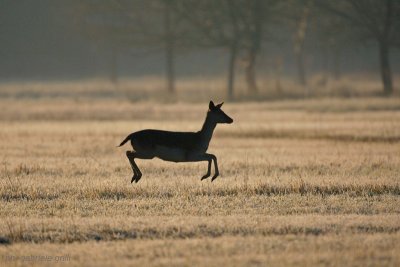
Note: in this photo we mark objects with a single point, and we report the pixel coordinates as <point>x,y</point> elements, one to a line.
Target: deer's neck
<point>207,130</point>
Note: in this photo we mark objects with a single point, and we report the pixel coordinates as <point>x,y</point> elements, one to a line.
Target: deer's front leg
<point>202,157</point>
<point>215,167</point>
<point>208,170</point>
<point>210,158</point>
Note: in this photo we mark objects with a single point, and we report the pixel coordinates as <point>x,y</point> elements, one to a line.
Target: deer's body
<point>177,146</point>
<point>169,146</point>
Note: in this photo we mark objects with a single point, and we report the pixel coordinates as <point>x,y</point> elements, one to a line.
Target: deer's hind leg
<point>137,174</point>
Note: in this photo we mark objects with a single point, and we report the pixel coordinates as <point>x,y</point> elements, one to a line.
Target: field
<point>303,182</point>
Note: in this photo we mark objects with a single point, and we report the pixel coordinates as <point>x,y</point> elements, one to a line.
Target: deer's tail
<point>125,140</point>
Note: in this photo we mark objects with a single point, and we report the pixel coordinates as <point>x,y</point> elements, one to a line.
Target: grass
<point>303,182</point>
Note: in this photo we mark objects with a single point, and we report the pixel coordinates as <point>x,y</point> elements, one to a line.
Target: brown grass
<point>303,182</point>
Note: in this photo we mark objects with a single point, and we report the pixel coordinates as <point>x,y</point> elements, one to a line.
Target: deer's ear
<point>211,106</point>
<point>219,105</point>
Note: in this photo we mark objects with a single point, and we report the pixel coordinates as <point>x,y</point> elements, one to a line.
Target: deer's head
<point>216,114</point>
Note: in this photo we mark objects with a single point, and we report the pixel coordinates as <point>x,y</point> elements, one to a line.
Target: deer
<point>177,146</point>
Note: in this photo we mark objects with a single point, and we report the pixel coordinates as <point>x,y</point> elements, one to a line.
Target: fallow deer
<point>177,146</point>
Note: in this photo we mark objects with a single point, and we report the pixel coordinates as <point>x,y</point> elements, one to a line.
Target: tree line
<point>242,28</point>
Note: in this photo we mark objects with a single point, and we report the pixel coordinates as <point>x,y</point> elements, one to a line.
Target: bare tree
<point>133,24</point>
<point>235,25</point>
<point>214,24</point>
<point>332,37</point>
<point>93,20</point>
<point>376,20</point>
<point>169,47</point>
<point>296,17</point>
<point>253,27</point>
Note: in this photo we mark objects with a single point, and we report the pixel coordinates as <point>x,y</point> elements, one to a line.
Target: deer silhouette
<point>177,146</point>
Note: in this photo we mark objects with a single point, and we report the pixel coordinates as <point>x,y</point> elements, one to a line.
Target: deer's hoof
<point>133,178</point>
<point>205,177</point>
<point>214,177</point>
<point>138,178</point>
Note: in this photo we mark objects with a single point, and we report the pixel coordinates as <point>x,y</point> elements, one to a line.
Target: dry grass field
<point>303,182</point>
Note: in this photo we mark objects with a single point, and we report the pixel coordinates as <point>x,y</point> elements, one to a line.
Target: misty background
<point>77,40</point>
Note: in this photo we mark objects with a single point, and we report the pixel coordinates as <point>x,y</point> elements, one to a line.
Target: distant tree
<point>169,40</point>
<point>214,24</point>
<point>377,20</point>
<point>296,17</point>
<point>299,40</point>
<point>257,19</point>
<point>236,25</point>
<point>133,24</point>
<point>332,37</point>
<point>95,22</point>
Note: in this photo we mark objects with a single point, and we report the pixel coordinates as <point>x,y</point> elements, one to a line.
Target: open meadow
<point>303,182</point>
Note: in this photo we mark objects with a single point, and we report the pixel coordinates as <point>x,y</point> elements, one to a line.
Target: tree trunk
<point>386,73</point>
<point>300,42</point>
<point>170,69</point>
<point>233,49</point>
<point>300,67</point>
<point>250,72</point>
<point>113,66</point>
<point>255,34</point>
<point>278,73</point>
<point>231,70</point>
<point>336,64</point>
<point>169,51</point>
